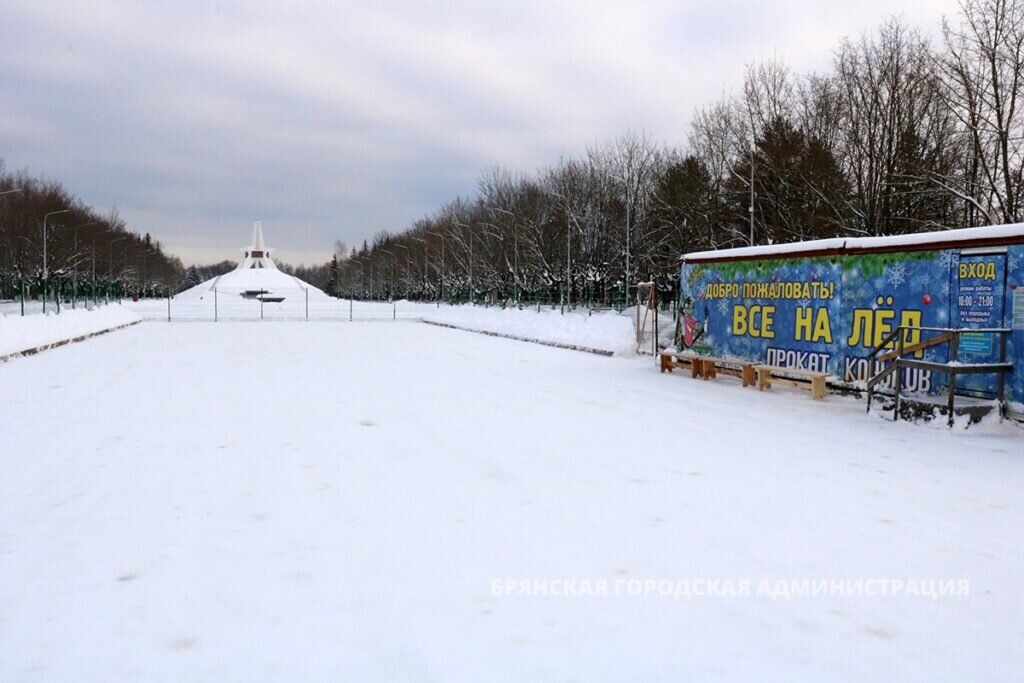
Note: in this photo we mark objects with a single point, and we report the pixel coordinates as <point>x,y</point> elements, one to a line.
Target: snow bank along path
<point>34,333</point>
<point>606,331</point>
<point>286,502</point>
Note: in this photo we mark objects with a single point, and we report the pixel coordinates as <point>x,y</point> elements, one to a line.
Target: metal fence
<point>232,308</point>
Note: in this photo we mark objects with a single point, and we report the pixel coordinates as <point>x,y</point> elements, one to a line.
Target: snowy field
<point>338,501</point>
<point>605,330</point>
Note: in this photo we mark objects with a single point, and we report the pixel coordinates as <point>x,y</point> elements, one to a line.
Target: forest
<point>52,242</point>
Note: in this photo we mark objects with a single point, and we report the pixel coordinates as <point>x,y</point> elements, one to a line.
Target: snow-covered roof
<point>765,251</point>
<point>939,239</point>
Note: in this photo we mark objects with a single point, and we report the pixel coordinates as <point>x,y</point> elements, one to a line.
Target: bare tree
<point>983,74</point>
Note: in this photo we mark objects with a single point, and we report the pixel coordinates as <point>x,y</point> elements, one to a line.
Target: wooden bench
<point>675,359</point>
<point>812,381</point>
<point>708,366</point>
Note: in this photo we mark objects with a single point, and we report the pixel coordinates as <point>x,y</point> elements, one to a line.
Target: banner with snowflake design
<point>826,313</point>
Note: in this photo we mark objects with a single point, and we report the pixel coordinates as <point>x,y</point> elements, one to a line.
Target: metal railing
<point>896,347</point>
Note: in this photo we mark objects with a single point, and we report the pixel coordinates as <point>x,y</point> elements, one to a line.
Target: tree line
<point>902,135</point>
<point>53,244</point>
<point>88,254</point>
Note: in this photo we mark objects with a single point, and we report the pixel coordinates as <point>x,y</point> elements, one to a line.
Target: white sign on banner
<point>1018,308</point>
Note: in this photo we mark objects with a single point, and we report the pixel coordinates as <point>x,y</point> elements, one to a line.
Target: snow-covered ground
<point>605,330</point>
<point>20,333</point>
<point>341,501</point>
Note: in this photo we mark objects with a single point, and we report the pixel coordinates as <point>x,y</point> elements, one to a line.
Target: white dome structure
<point>256,277</point>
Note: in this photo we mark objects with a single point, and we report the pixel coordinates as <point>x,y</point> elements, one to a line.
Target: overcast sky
<point>334,120</point>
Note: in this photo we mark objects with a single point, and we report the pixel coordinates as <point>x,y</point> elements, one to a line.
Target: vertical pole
<point>899,375</point>
<point>21,288</point>
<point>394,311</point>
<point>46,274</point>
<point>751,208</point>
<point>515,237</point>
<point>1001,382</point>
<point>625,275</point>
<point>214,304</point>
<point>307,303</point>
<point>954,353</point>
<point>350,307</point>
<point>168,305</point>
<point>952,393</point>
<point>261,307</point>
<point>568,265</point>
<point>74,276</point>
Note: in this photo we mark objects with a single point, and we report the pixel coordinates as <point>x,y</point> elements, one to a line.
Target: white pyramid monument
<point>256,277</point>
<point>257,255</point>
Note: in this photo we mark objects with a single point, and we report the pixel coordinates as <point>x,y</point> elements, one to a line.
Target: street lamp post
<point>391,281</point>
<point>426,263</point>
<point>46,272</point>
<point>515,248</point>
<point>440,273</point>
<point>95,300</point>
<point>498,238</point>
<point>472,285</point>
<point>110,268</point>
<point>570,217</point>
<point>751,207</point>
<point>74,286</point>
<point>362,274</point>
<point>629,205</point>
<point>407,260</point>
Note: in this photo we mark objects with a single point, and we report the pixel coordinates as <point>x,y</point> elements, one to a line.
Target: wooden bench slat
<point>792,371</point>
<point>770,374</point>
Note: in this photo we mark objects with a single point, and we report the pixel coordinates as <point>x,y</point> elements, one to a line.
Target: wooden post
<point>818,388</point>
<point>708,369</point>
<point>764,379</point>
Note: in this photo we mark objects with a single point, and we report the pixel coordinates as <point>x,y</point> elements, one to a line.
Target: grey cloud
<point>336,120</point>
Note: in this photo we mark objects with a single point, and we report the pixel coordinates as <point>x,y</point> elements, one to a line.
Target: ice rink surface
<point>316,501</point>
